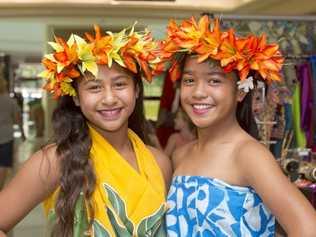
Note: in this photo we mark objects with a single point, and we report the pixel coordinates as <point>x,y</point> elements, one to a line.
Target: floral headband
<point>73,58</point>
<point>243,54</point>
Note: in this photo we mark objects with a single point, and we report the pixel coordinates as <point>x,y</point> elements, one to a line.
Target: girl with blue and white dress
<point>226,183</point>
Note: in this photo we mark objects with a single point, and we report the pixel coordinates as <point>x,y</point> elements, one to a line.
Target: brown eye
<point>120,84</point>
<point>214,81</point>
<point>94,88</point>
<point>187,81</point>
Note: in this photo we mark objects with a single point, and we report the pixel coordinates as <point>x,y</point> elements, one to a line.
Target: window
<point>152,94</point>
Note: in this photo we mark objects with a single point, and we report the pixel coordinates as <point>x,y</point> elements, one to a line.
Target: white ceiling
<point>271,7</point>
<point>25,24</point>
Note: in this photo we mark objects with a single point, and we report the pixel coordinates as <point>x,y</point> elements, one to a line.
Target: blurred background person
<point>185,132</point>
<point>151,134</point>
<point>10,115</point>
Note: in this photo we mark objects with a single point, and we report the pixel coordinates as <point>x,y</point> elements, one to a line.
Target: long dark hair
<point>137,120</point>
<point>73,149</point>
<point>245,118</point>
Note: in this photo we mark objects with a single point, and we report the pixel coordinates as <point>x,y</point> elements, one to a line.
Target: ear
<point>241,95</point>
<point>76,100</point>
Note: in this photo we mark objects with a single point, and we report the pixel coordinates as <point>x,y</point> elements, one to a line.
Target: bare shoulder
<point>180,153</point>
<point>45,161</point>
<point>46,155</point>
<point>163,162</point>
<point>256,162</point>
<point>251,150</point>
<point>252,154</point>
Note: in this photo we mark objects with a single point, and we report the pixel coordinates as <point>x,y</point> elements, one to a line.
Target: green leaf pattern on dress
<point>150,226</point>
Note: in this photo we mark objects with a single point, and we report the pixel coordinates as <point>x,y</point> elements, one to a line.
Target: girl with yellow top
<point>98,178</point>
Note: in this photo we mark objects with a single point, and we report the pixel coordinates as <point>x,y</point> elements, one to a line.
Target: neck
<point>185,132</point>
<point>218,133</point>
<point>118,139</point>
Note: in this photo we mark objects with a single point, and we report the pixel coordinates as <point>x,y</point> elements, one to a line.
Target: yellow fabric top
<point>124,199</point>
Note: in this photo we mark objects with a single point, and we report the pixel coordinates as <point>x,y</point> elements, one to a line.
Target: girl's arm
<point>36,179</point>
<point>293,211</point>
<point>2,234</point>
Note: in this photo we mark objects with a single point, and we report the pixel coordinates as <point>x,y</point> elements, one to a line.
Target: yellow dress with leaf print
<point>127,202</point>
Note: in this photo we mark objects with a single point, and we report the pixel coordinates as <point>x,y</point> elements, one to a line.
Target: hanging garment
<point>296,110</point>
<point>306,98</point>
<point>126,202</point>
<point>165,118</point>
<point>313,66</point>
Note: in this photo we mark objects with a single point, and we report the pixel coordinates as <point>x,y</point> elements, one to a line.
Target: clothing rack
<point>302,56</point>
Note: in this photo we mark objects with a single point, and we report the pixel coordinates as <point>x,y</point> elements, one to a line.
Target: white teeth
<point>201,106</point>
<point>110,112</point>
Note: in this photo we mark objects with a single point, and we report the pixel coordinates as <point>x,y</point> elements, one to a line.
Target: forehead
<point>105,72</point>
<point>191,64</point>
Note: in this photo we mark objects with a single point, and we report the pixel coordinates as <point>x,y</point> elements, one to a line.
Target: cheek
<point>185,92</point>
<point>86,105</point>
<point>229,93</point>
<point>129,97</point>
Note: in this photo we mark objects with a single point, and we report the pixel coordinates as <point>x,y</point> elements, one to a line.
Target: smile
<point>201,109</point>
<point>110,114</point>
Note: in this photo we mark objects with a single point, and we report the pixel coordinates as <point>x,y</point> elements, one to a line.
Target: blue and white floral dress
<point>206,207</point>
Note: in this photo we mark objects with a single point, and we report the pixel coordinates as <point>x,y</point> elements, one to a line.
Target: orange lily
<point>69,55</point>
<point>102,45</point>
<point>267,60</point>
<point>210,43</point>
<point>49,65</point>
<point>175,71</point>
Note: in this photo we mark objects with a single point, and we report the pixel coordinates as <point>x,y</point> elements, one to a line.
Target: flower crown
<point>243,54</point>
<point>73,58</point>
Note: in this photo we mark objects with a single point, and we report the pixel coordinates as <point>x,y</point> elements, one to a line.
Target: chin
<point>110,126</point>
<point>204,123</point>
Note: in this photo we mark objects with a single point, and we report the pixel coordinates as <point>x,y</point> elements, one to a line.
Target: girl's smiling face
<point>208,94</point>
<point>108,100</point>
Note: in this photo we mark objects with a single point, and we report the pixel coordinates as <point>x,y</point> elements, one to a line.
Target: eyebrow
<point>98,80</point>
<point>120,77</point>
<point>208,73</point>
<point>187,72</point>
<point>215,73</point>
<point>88,81</point>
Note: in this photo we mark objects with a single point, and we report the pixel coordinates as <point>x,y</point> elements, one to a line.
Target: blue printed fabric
<point>206,207</point>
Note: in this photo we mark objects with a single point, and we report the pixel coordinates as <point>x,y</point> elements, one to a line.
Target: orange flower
<point>189,34</point>
<point>267,60</point>
<point>242,54</point>
<point>49,65</point>
<point>129,54</point>
<point>209,45</point>
<point>175,71</point>
<point>68,55</point>
<point>228,53</point>
<point>102,45</point>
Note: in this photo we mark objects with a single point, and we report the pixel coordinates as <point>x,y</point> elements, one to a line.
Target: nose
<point>109,97</point>
<point>199,91</point>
